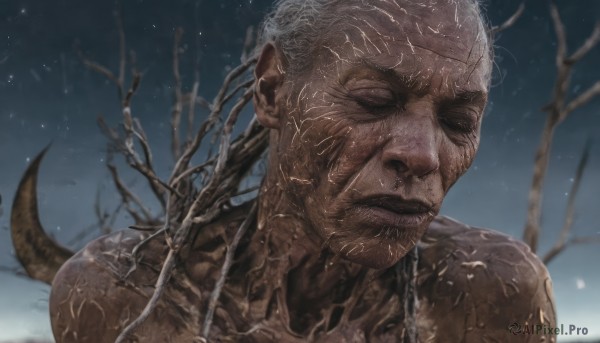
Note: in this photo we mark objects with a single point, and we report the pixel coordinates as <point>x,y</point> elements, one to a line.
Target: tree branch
<point>509,22</point>
<point>555,251</point>
<point>122,49</point>
<point>588,45</point>
<point>127,196</point>
<point>581,100</point>
<point>163,279</point>
<point>208,124</point>
<point>177,99</point>
<point>561,37</point>
<point>562,241</point>
<point>214,297</point>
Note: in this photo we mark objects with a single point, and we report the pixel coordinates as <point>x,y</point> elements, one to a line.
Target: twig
<point>588,45</point>
<point>127,196</point>
<point>122,49</point>
<point>135,83</point>
<point>555,251</point>
<point>127,147</point>
<point>193,170</point>
<point>562,241</point>
<point>163,279</point>
<point>203,102</point>
<point>561,36</point>
<point>214,297</point>
<point>101,70</point>
<point>585,240</point>
<point>177,99</point>
<point>141,135</point>
<point>242,85</point>
<point>582,99</point>
<point>157,185</point>
<point>217,106</point>
<point>191,112</point>
<point>138,246</point>
<point>249,44</point>
<point>246,191</point>
<point>509,22</point>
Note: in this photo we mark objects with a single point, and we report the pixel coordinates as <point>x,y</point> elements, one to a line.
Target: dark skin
<point>364,146</point>
<point>397,125</point>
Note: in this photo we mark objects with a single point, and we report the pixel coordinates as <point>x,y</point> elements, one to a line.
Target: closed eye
<point>373,97</point>
<point>462,113</point>
<point>461,122</point>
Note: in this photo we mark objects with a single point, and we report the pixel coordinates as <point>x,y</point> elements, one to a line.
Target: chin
<point>375,245</point>
<point>376,254</point>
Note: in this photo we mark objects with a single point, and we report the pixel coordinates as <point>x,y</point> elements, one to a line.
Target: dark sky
<point>46,94</point>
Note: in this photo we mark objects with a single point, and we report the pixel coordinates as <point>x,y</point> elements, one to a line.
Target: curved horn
<point>39,254</point>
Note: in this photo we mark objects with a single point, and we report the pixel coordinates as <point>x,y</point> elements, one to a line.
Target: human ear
<point>267,88</point>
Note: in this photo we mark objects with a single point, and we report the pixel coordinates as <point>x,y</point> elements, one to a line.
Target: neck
<point>283,226</point>
<point>293,257</point>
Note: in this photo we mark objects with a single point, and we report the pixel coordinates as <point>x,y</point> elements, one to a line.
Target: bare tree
<point>558,109</point>
<point>193,194</point>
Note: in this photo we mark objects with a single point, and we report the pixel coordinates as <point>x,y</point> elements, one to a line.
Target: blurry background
<point>47,95</point>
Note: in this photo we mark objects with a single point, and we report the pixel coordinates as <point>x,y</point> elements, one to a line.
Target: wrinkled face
<point>383,124</point>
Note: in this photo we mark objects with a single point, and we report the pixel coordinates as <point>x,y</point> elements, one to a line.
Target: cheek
<point>313,143</point>
<point>327,142</point>
<point>351,158</point>
<point>455,159</point>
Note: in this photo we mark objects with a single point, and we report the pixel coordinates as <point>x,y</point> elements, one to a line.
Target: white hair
<point>298,26</point>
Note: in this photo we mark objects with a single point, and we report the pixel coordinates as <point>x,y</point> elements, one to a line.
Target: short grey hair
<point>298,26</point>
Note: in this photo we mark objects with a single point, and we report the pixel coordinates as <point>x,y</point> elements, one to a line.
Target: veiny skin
<point>472,284</point>
<point>390,108</point>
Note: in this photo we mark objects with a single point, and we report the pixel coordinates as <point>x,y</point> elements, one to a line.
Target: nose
<point>412,150</point>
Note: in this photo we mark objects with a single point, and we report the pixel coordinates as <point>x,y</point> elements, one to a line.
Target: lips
<point>394,211</point>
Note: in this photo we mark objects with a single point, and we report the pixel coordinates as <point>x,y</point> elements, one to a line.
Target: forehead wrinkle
<point>420,87</point>
<point>404,78</point>
<point>417,45</point>
<point>413,29</point>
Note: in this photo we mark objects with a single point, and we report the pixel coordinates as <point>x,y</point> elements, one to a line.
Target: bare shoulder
<point>86,291</point>
<point>92,300</point>
<point>95,294</point>
<point>487,279</point>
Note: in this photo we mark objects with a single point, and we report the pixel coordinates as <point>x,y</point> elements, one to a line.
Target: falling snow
<point>42,81</point>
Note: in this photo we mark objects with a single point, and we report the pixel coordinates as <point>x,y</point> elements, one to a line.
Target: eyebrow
<point>460,96</point>
<point>469,96</point>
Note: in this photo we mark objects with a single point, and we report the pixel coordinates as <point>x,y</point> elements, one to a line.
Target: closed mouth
<point>396,204</point>
<point>394,211</point>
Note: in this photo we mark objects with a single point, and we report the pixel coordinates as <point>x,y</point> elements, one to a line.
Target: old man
<point>374,110</point>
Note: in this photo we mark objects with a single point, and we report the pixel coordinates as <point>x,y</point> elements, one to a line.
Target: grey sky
<point>47,95</point>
